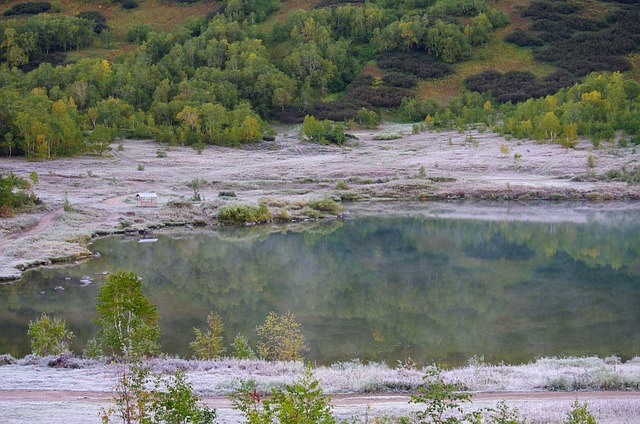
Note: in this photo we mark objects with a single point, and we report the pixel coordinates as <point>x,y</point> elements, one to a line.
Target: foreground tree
<point>301,402</point>
<point>128,321</point>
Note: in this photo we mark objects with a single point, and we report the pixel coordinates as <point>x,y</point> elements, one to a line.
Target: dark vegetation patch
<point>55,59</point>
<point>418,64</point>
<point>398,79</point>
<point>517,86</point>
<point>342,110</point>
<point>333,3</point>
<point>380,96</point>
<point>98,19</point>
<point>31,8</point>
<point>129,4</point>
<point>577,45</point>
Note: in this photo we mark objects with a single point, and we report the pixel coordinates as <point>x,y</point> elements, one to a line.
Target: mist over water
<point>381,288</point>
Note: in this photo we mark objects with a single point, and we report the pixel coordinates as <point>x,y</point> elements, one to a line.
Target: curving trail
<point>45,222</point>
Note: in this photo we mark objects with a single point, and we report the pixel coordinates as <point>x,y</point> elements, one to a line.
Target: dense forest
<point>70,82</point>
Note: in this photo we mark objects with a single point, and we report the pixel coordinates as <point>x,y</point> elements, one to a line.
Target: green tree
<point>209,345</point>
<point>242,349</point>
<point>128,322</point>
<point>100,138</point>
<point>280,338</point>
<point>49,336</point>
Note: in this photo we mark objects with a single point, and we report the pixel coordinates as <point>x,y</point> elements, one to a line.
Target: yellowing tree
<point>550,126</point>
<point>280,339</point>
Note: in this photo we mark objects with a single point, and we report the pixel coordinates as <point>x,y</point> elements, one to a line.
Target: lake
<point>431,283</point>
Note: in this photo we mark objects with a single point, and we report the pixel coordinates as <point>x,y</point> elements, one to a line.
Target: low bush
<point>419,64</point>
<point>30,8</point>
<point>387,136</point>
<point>129,4</point>
<point>49,336</point>
<point>399,79</point>
<point>388,97</point>
<point>326,205</point>
<point>244,214</point>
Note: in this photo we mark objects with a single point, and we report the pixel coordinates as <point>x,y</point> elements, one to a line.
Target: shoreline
<point>439,169</point>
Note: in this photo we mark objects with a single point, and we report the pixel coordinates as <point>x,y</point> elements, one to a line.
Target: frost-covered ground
<point>286,173</point>
<point>31,391</point>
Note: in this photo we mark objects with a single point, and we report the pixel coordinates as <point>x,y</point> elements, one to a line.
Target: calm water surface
<point>381,288</point>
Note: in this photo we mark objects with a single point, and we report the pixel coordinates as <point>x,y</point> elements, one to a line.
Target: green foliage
<point>579,414</point>
<point>195,185</point>
<point>387,136</point>
<point>326,204</point>
<point>128,322</point>
<point>209,345</point>
<point>367,118</point>
<point>141,397</point>
<point>244,213</point>
<point>242,349</point>
<point>301,402</point>
<point>100,138</point>
<point>67,207</point>
<point>341,185</point>
<point>92,349</point>
<point>49,336</point>
<point>280,338</point>
<point>322,131</point>
<point>178,404</point>
<point>440,398</point>
<point>15,194</point>
<point>138,33</point>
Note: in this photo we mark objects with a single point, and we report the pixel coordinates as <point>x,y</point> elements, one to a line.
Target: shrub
<point>280,338</point>
<point>228,193</point>
<point>244,213</point>
<point>30,8</point>
<point>145,398</point>
<point>440,397</point>
<point>322,131</point>
<point>341,185</point>
<point>389,97</point>
<point>415,63</point>
<point>49,336</point>
<point>399,79</point>
<point>387,136</point>
<point>325,205</point>
<point>98,19</point>
<point>579,414</point>
<point>210,344</point>
<point>128,322</point>
<point>301,402</point>
<point>129,4</point>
